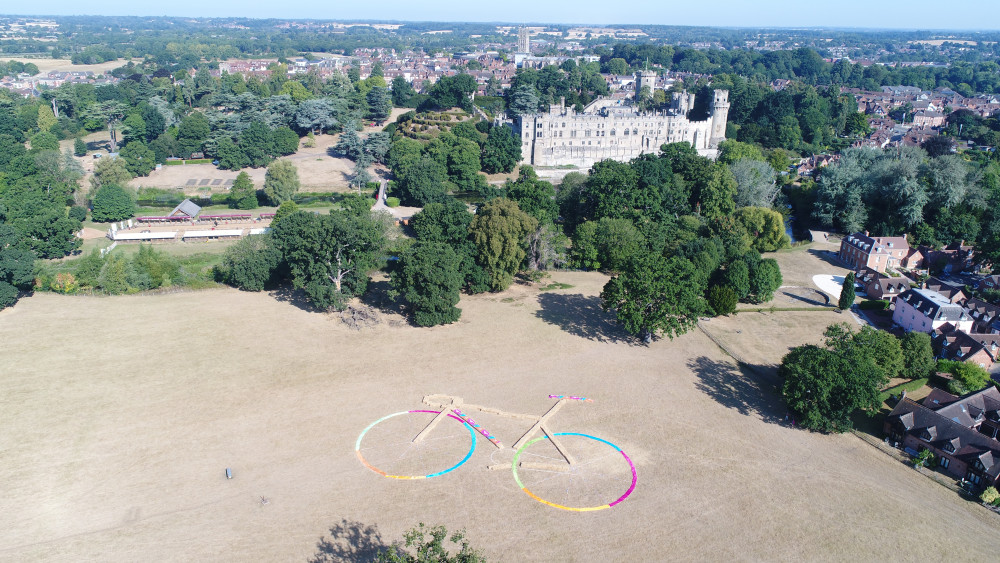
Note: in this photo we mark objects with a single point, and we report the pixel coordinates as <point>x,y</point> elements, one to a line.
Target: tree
<point>349,143</point>
<point>717,196</point>
<point>46,119</point>
<point>501,151</point>
<point>534,196</point>
<point>656,294</point>
<point>766,227</point>
<point>847,293</point>
<point>44,141</point>
<point>429,280</point>
<point>16,266</point>
<point>243,194</point>
<point>722,299</point>
<point>111,112</point>
<point>882,347</point>
<point>318,114</point>
<point>421,182</point>
<point>257,143</point>
<point>192,133</point>
<point>737,278</point>
<point>428,542</point>
<point>522,100</point>
<point>608,244</point>
<point>250,264</point>
<point>329,256</point>
<point>499,231</point>
<point>755,183</point>
<point>732,151</point>
<point>285,140</point>
<point>938,145</point>
<point>79,147</point>
<point>281,181</point>
<point>918,356</point>
<point>765,279</point>
<point>823,387</point>
<point>110,171</point>
<point>402,92</point>
<point>139,159</point>
<point>229,155</point>
<point>970,376</point>
<point>857,125</point>
<point>379,104</point>
<point>113,203</point>
<point>617,66</point>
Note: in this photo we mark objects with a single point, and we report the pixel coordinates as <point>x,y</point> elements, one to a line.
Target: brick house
<point>984,315</point>
<point>956,257</point>
<point>859,250</point>
<point>880,286</point>
<point>925,310</point>
<point>989,282</point>
<point>977,349</point>
<point>960,431</point>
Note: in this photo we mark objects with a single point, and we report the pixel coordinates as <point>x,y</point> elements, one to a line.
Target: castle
<point>611,129</point>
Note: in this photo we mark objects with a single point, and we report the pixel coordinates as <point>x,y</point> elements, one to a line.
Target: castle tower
<point>720,114</point>
<point>644,78</point>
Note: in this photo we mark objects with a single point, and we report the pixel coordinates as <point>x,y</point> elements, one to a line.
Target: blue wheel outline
<point>472,447</point>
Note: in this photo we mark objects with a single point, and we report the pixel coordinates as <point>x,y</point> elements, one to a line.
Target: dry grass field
<point>318,172</point>
<point>120,416</point>
<point>47,65</point>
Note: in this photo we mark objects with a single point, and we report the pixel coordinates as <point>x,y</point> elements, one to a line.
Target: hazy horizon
<point>915,15</point>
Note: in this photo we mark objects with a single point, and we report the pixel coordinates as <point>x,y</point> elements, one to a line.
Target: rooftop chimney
<point>866,233</point>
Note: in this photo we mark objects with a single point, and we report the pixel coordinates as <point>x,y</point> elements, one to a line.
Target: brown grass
<point>120,416</point>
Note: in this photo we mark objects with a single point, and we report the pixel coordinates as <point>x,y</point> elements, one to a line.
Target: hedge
<point>874,305</point>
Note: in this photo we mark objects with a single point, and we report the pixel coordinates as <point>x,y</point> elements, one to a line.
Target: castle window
<point>586,133</point>
<point>572,133</point>
<point>635,131</point>
<point>612,132</point>
<point>626,131</point>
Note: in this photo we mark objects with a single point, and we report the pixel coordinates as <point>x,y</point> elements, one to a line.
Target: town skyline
<point>724,13</point>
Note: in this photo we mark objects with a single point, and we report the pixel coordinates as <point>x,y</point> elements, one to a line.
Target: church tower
<point>523,42</point>
<point>720,114</point>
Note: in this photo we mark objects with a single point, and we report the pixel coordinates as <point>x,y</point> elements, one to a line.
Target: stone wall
<point>564,137</point>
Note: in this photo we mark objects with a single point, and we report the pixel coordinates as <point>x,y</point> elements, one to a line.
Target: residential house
<point>989,282</point>
<point>952,344</point>
<point>960,432</point>
<point>984,315</point>
<point>859,250</point>
<point>954,293</point>
<point>879,286</point>
<point>925,310</point>
<point>954,258</point>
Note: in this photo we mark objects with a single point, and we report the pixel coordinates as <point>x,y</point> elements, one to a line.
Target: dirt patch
<point>121,415</point>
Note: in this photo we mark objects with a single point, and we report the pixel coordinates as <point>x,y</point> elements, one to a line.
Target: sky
<point>896,14</point>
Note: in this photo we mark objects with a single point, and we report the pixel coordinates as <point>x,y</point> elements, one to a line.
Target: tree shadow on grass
<point>349,541</point>
<point>750,390</point>
<point>582,316</point>
<point>825,303</point>
<point>828,256</point>
<point>288,294</point>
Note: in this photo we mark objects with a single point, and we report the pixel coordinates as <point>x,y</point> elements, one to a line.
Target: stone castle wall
<point>564,137</point>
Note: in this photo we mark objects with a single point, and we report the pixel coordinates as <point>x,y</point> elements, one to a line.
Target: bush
<point>392,201</point>
<point>78,213</point>
<point>874,305</point>
<point>64,283</point>
<point>924,459</point>
<point>990,495</point>
<point>79,147</point>
<point>113,203</point>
